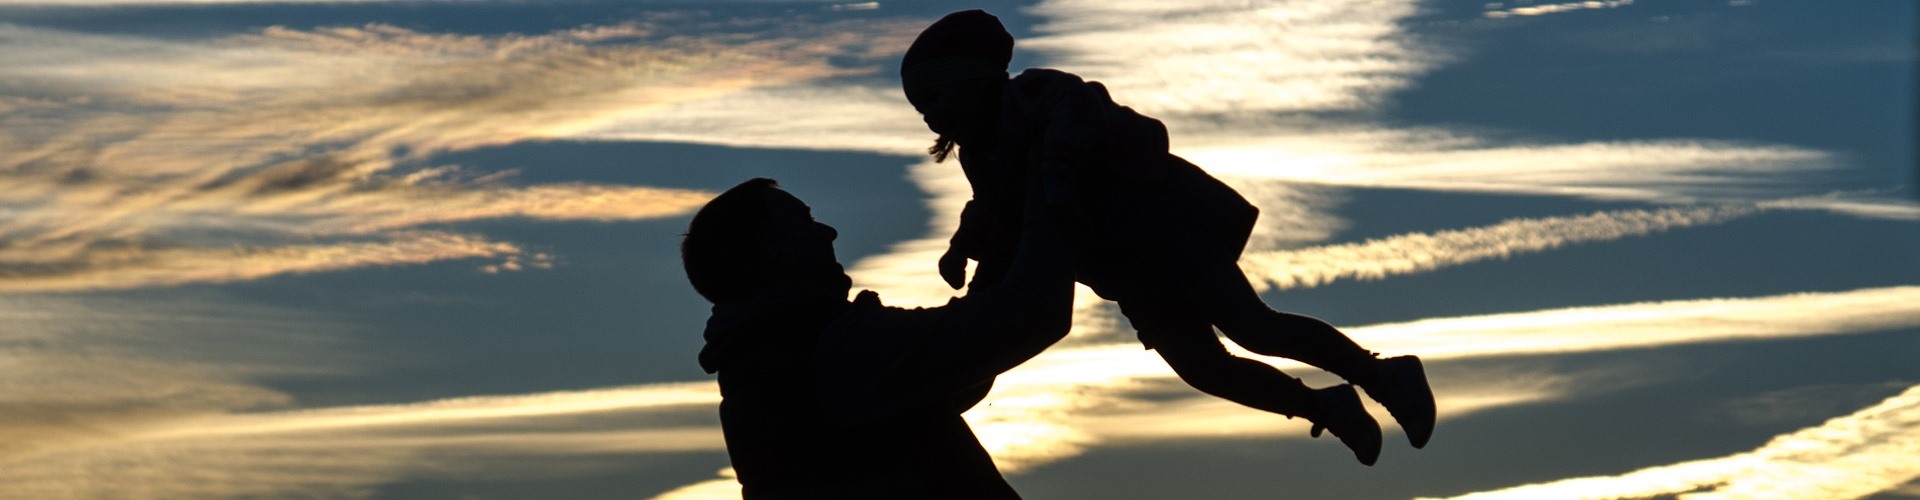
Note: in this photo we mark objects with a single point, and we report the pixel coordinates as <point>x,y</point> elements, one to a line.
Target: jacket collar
<point>778,310</point>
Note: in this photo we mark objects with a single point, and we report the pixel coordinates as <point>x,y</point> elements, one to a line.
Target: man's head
<point>756,235</point>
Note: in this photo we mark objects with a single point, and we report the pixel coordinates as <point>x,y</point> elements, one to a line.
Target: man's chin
<point>833,277</point>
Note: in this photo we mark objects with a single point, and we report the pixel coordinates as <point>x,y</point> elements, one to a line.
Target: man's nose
<point>831,233</point>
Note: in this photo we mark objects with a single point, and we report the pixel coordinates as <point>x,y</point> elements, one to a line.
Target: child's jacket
<point>1150,218</point>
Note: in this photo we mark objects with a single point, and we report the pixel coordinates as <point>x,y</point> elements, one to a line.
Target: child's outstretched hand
<point>953,268</point>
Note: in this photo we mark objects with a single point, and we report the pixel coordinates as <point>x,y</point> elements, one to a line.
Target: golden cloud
<point>292,135</point>
<point>1852,456</point>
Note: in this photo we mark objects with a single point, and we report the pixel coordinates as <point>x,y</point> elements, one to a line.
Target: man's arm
<point>878,360</point>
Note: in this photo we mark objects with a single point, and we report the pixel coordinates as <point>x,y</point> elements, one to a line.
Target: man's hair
<point>721,249</point>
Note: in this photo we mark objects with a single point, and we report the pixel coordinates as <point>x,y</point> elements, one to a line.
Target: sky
<point>428,249</point>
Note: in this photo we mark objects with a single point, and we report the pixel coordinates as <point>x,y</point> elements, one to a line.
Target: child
<point>1159,236</point>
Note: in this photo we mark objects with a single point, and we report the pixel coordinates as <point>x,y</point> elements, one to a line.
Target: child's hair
<point>721,249</point>
<point>941,149</point>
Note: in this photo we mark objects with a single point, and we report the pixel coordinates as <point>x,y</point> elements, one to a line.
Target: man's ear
<point>775,248</point>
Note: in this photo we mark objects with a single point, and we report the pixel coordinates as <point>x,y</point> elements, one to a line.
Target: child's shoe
<point>1338,409</point>
<point>1403,389</point>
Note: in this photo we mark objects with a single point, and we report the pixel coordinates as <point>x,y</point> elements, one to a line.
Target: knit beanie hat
<point>962,46</point>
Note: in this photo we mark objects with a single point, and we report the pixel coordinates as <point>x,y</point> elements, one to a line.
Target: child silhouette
<point>1159,236</point>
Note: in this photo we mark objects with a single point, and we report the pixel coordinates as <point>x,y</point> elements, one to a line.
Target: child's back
<point>1150,218</point>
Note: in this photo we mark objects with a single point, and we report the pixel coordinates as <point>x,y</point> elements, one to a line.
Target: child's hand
<point>953,268</point>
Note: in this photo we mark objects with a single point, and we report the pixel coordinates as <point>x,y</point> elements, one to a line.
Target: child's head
<point>952,70</point>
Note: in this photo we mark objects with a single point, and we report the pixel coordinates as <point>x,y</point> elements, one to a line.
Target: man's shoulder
<point>1045,74</point>
<point>867,311</point>
<point>871,328</point>
<point>860,354</point>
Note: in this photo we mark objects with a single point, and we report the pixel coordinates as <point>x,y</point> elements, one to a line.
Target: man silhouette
<point>828,398</point>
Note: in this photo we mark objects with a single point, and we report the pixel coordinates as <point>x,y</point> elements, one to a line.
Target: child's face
<point>952,111</point>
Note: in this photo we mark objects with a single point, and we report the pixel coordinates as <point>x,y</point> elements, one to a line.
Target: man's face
<point>796,242</point>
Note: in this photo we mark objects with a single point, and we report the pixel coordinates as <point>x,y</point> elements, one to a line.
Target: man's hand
<point>953,268</point>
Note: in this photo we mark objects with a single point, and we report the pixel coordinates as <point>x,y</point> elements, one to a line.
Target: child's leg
<point>1231,304</point>
<point>1188,345</point>
<point>1399,383</point>
<point>1199,359</point>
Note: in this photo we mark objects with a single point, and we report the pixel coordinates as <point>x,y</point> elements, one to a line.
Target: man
<point>829,398</point>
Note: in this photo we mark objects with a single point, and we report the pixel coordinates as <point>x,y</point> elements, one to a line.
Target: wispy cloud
<point>115,3</point>
<point>1422,252</point>
<point>1654,324</point>
<point>1497,10</point>
<point>164,395</point>
<point>1237,58</point>
<point>458,410</point>
<point>1073,399</point>
<point>133,265</point>
<point>864,117</point>
<point>280,135</point>
<point>726,487</point>
<point>1851,456</point>
<point>1669,171</point>
<point>1216,75</point>
<point>1058,406</point>
<point>346,452</point>
<point>78,371</point>
<point>1278,91</point>
<point>1283,90</point>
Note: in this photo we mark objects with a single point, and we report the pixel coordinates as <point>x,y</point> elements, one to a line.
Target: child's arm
<point>964,245</point>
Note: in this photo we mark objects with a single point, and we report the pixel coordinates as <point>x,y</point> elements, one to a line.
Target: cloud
<point>1041,410</point>
<point>1068,400</point>
<point>1802,403</point>
<point>458,410</point>
<point>81,371</point>
<point>286,135</point>
<point>727,487</point>
<point>1239,121</point>
<point>349,451</point>
<point>1651,324</point>
<point>400,209</point>
<point>1494,10</point>
<point>1283,90</point>
<point>1071,399</point>
<point>164,397</point>
<point>840,117</point>
<point>1238,58</point>
<point>1863,206</point>
<point>1669,171</point>
<point>113,3</point>
<point>128,266</point>
<point>1851,456</point>
<point>1267,94</point>
<point>140,162</point>
<point>1422,252</point>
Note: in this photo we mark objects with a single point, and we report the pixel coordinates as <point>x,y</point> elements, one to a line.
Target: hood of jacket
<point>773,322</point>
